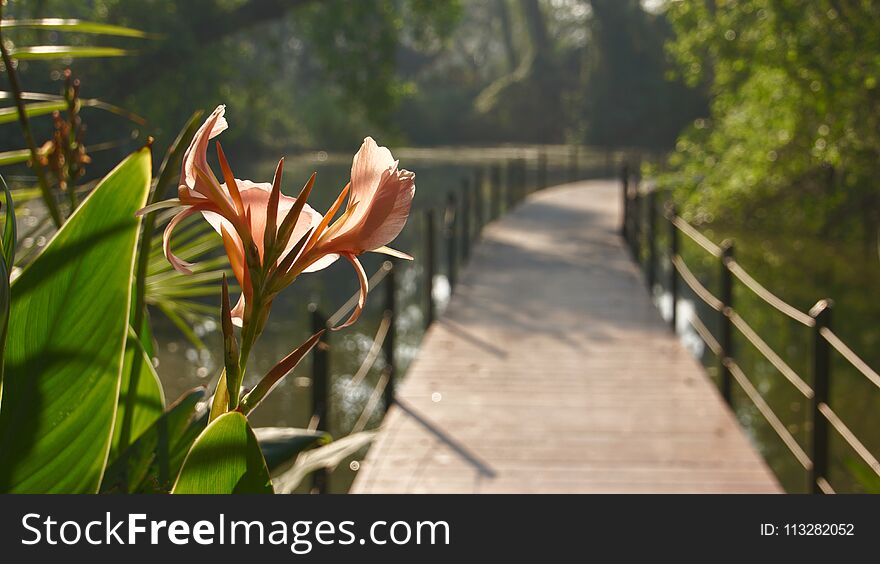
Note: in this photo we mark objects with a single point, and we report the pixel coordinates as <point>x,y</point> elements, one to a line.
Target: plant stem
<point>249,334</point>
<point>14,85</point>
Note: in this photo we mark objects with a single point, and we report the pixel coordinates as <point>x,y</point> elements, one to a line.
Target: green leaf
<point>10,237</point>
<point>79,26</point>
<point>46,52</point>
<point>10,114</point>
<point>151,463</point>
<point>281,445</point>
<point>225,459</point>
<point>47,103</point>
<point>328,456</point>
<point>67,333</point>
<point>149,402</point>
<point>14,157</point>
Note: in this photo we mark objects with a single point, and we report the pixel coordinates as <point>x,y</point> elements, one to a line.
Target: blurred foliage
<point>322,74</point>
<point>794,125</point>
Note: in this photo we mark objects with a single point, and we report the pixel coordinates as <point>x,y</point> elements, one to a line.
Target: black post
<point>725,323</point>
<point>821,314</point>
<point>430,266</point>
<point>465,209</point>
<point>479,200</point>
<point>624,222</point>
<point>496,191</point>
<point>388,345</point>
<point>573,163</point>
<point>652,239</point>
<point>320,383</point>
<point>510,185</point>
<point>673,273</point>
<point>636,214</point>
<point>523,177</point>
<point>541,180</point>
<point>451,220</point>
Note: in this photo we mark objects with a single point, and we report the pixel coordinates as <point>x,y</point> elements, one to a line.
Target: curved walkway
<point>551,371</point>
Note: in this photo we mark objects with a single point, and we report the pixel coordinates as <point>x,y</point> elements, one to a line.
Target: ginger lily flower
<point>260,226</point>
<point>271,238</point>
<point>380,197</point>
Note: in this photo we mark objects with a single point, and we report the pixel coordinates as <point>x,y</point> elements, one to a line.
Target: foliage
<point>64,350</point>
<point>794,113</point>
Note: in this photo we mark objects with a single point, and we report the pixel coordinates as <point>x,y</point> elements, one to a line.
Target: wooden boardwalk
<point>552,371</point>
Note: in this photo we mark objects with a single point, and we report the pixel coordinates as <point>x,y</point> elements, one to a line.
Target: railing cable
<point>850,356</point>
<point>768,353</point>
<point>768,296</point>
<point>850,438</point>
<point>774,421</point>
<point>701,291</point>
<point>696,236</point>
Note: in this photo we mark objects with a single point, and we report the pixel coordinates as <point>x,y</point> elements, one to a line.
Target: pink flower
<point>380,197</point>
<point>271,238</point>
<point>241,211</point>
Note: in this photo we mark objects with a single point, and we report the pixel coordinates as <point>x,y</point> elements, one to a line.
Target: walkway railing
<point>822,417</point>
<point>484,195</point>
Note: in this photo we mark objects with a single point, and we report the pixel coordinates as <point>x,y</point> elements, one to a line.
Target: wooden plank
<point>551,371</point>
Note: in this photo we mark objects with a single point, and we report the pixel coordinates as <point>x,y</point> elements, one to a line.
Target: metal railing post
<point>450,229</point>
<point>430,266</point>
<point>821,314</point>
<point>495,188</point>
<point>725,322</point>
<point>510,185</point>
<point>673,273</point>
<point>320,385</point>
<point>652,240</point>
<point>636,214</point>
<point>479,200</point>
<point>388,346</point>
<point>541,180</point>
<point>624,222</point>
<point>465,218</point>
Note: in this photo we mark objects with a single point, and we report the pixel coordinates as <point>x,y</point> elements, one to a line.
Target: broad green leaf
<point>281,445</point>
<point>327,456</point>
<point>10,114</point>
<point>8,241</point>
<point>225,459</point>
<point>151,463</point>
<point>79,26</point>
<point>43,52</point>
<point>220,401</point>
<point>10,235</point>
<point>149,402</point>
<point>67,333</point>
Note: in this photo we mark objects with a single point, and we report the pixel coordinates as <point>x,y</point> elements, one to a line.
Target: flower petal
<point>362,298</point>
<point>387,213</point>
<point>367,167</point>
<point>196,154</point>
<point>178,264</point>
